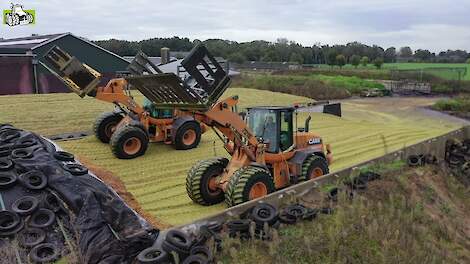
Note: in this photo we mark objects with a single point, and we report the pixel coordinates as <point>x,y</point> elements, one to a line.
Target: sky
<point>427,24</point>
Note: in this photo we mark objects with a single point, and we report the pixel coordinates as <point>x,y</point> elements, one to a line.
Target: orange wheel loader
<point>131,126</point>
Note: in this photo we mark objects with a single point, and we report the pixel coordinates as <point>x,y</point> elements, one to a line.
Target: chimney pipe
<point>165,54</point>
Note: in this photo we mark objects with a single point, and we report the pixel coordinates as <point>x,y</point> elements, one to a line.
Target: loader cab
<point>273,126</point>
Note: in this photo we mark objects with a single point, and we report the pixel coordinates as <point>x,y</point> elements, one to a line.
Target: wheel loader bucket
<point>141,65</point>
<point>207,81</point>
<point>77,76</point>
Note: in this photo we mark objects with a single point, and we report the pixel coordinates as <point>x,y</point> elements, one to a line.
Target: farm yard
<point>368,129</point>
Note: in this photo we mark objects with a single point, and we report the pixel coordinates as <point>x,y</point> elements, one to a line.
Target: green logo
<point>17,15</point>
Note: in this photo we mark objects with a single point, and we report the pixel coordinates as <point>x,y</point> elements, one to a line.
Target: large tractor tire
<point>105,125</point>
<point>129,142</point>
<point>188,136</point>
<point>247,184</point>
<point>314,166</point>
<point>200,181</point>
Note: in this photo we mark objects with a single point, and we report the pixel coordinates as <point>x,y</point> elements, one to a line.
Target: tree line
<point>283,50</point>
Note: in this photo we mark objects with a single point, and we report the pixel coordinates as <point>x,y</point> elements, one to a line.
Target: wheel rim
<point>316,172</point>
<point>213,186</point>
<point>132,146</point>
<point>189,137</point>
<point>109,129</point>
<point>258,190</point>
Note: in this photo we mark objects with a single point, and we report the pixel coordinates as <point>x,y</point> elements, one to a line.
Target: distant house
<point>21,62</point>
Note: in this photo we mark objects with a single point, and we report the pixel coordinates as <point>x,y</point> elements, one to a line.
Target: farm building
<point>22,70</point>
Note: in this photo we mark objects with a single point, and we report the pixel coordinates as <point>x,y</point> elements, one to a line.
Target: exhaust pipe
<point>307,124</point>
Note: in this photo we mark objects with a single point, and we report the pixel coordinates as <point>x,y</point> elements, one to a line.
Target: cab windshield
<point>264,125</point>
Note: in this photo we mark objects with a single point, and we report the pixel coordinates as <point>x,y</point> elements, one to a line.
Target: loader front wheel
<point>314,166</point>
<point>247,184</point>
<point>188,135</point>
<point>106,124</point>
<point>201,184</point>
<point>129,142</point>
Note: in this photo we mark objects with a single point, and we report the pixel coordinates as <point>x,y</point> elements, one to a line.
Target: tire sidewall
<point>259,176</point>
<point>122,134</point>
<point>215,169</point>
<point>317,162</point>
<point>103,122</point>
<point>179,144</point>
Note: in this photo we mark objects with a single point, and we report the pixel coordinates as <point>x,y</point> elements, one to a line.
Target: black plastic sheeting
<point>104,227</point>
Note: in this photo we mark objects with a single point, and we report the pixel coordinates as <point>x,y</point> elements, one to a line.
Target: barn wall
<point>16,75</point>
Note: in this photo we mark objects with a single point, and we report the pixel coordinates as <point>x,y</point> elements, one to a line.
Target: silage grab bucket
<point>203,85</point>
<point>79,77</point>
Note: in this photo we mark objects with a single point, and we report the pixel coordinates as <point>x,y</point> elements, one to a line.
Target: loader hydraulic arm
<point>223,118</point>
<point>114,92</point>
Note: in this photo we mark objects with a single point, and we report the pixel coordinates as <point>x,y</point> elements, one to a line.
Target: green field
<point>427,67</point>
<point>157,179</point>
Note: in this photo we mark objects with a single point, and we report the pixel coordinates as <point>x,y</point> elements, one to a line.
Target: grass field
<point>450,75</point>
<point>157,179</point>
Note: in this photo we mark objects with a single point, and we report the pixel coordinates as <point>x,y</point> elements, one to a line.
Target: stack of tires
<point>43,188</point>
<point>30,210</point>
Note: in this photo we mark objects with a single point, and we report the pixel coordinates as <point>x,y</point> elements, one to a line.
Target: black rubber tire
<point>312,162</point>
<point>25,205</point>
<point>152,255</point>
<point>125,133</point>
<point>242,225</point>
<point>195,259</point>
<point>75,169</point>
<point>24,237</point>
<point>264,213</point>
<point>8,220</point>
<point>190,125</point>
<point>197,181</point>
<point>25,143</point>
<point>52,203</point>
<point>368,176</point>
<point>34,180</point>
<point>44,253</point>
<point>103,124</point>
<point>64,156</point>
<point>5,153</point>
<point>240,184</point>
<point>14,231</point>
<point>178,239</point>
<point>202,251</point>
<point>7,180</point>
<point>414,160</point>
<point>310,214</point>
<point>22,153</point>
<point>287,219</point>
<point>169,248</point>
<point>9,136</point>
<point>5,164</point>
<point>42,218</point>
<point>297,211</point>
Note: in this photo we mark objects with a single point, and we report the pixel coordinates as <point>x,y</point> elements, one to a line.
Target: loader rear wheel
<point>105,125</point>
<point>129,142</point>
<point>188,135</point>
<point>201,181</point>
<point>247,184</point>
<point>314,166</point>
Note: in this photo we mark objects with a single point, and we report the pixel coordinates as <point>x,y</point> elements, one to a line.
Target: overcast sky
<point>431,24</point>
